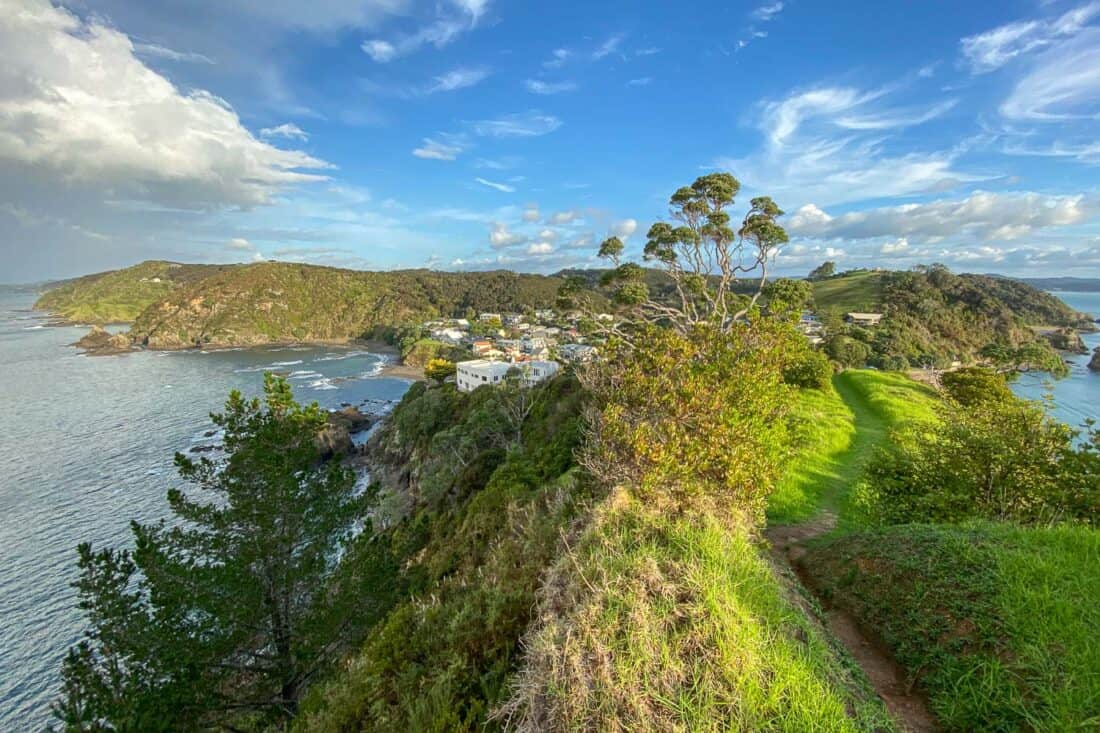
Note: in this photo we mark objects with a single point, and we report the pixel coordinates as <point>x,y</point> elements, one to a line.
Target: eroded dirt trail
<point>908,707</point>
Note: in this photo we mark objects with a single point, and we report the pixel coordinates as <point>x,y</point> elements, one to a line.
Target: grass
<point>658,621</point>
<point>997,622</point>
<point>856,292</point>
<point>836,430</point>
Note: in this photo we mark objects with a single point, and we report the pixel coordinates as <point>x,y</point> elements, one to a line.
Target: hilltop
<point>118,296</point>
<point>272,302</point>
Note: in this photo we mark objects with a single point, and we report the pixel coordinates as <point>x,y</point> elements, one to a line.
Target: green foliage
<point>974,386</point>
<point>119,296</point>
<point>786,298</point>
<point>823,271</point>
<point>997,623</point>
<point>223,616</point>
<point>847,351</point>
<point>473,550</point>
<point>695,417</point>
<point>989,455</point>
<point>810,369</point>
<point>439,369</point>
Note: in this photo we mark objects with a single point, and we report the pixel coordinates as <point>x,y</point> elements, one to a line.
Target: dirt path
<point>908,708</point>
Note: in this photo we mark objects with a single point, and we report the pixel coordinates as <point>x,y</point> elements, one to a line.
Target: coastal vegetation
<point>656,540</point>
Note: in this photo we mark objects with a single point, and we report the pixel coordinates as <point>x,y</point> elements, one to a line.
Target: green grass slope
<point>657,621</point>
<point>996,622</point>
<point>118,296</point>
<point>835,431</point>
<point>859,291</point>
<point>272,302</point>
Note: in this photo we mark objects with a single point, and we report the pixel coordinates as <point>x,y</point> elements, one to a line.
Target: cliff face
<point>1094,362</point>
<point>278,302</point>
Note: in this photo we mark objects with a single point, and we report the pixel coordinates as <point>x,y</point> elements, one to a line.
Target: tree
<point>225,613</point>
<point>439,369</point>
<point>823,271</point>
<point>786,298</point>
<point>703,257</point>
<point>975,385</point>
<point>847,351</point>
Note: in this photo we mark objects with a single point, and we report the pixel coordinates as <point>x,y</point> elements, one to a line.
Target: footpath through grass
<point>836,431</point>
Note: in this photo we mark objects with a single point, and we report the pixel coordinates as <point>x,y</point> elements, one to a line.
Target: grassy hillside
<point>997,622</point>
<point>118,296</point>
<point>835,431</point>
<point>270,302</point>
<point>859,291</point>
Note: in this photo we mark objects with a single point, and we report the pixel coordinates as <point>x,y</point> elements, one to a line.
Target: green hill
<point>118,296</point>
<point>858,291</point>
<point>274,302</point>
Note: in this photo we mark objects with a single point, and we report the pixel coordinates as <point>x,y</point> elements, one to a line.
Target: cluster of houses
<point>814,330</point>
<point>534,345</point>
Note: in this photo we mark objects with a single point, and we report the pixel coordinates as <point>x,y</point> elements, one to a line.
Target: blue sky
<point>464,134</point>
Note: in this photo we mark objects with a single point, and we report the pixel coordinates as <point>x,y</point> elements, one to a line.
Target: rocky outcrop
<point>1094,362</point>
<point>1067,339</point>
<point>335,438</point>
<point>100,342</point>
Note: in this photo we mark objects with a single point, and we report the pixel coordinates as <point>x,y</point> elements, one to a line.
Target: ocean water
<point>86,445</point>
<point>1076,397</point>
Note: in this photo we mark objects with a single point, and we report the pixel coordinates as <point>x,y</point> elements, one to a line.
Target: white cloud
<point>558,58</point>
<point>540,248</point>
<point>498,186</point>
<point>994,48</point>
<point>451,21</point>
<point>241,245</point>
<point>379,50</point>
<point>652,50</point>
<point>1063,85</point>
<point>608,47</point>
<point>536,86</point>
<point>459,79</point>
<point>78,105</point>
<point>767,12</point>
<point>895,246</point>
<point>985,215</point>
<point>162,52</point>
<point>530,213</point>
<point>500,236</point>
<point>287,129</point>
<point>442,147</point>
<point>641,81</point>
<point>624,228</point>
<point>562,218</point>
<point>525,124</point>
<point>833,144</point>
<point>548,235</point>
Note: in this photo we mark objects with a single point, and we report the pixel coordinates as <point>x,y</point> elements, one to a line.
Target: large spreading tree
<point>222,616</point>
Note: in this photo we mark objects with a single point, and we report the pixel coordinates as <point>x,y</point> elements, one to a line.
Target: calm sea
<point>1076,397</point>
<point>86,445</point>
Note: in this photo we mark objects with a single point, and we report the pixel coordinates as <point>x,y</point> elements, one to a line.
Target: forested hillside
<point>118,296</point>
<point>271,302</point>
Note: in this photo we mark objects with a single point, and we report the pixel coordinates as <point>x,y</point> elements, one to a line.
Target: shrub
<point>811,370</point>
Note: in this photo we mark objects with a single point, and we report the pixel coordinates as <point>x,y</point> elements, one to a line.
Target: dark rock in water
<point>210,433</point>
<point>1067,339</point>
<point>203,448</point>
<point>100,342</point>
<point>1094,362</point>
<point>335,438</point>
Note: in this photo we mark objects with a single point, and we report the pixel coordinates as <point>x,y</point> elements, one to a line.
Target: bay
<point>86,445</point>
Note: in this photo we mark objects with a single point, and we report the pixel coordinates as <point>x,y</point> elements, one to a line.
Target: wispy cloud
<point>523,124</point>
<point>288,130</point>
<point>537,86</point>
<point>762,14</point>
<point>994,48</point>
<point>459,79</point>
<point>452,20</point>
<point>641,81</point>
<point>161,52</point>
<point>444,146</point>
<point>558,57</point>
<point>609,46</point>
<point>1064,84</point>
<point>766,12</point>
<point>502,187</point>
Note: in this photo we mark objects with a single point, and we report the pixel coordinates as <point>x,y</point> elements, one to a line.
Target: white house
<point>469,375</point>
<point>448,335</point>
<point>577,352</point>
<point>864,319</point>
<point>488,317</point>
